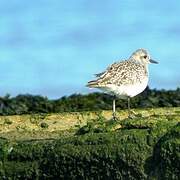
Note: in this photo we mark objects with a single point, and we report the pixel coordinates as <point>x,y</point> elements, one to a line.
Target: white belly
<point>124,91</point>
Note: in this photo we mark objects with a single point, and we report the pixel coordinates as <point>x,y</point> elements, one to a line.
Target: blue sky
<point>53,47</point>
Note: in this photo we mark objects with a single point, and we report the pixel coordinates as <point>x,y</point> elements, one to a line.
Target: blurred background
<point>53,47</point>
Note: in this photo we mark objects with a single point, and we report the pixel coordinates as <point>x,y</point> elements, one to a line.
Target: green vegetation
<point>7,121</point>
<point>146,147</point>
<point>44,125</point>
<point>29,104</point>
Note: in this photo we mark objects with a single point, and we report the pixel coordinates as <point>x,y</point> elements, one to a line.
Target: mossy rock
<point>20,170</point>
<point>166,157</point>
<point>141,149</point>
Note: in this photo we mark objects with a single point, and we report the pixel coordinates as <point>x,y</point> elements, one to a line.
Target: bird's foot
<point>114,117</point>
<point>133,115</point>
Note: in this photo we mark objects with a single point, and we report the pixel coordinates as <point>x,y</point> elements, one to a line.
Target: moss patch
<point>139,149</point>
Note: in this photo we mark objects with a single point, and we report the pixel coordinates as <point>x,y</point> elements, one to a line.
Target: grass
<point>51,126</point>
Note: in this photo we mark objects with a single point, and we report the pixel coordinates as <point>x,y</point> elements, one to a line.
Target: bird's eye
<point>145,57</point>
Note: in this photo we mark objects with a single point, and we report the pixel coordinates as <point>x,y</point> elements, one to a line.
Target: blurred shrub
<point>29,104</point>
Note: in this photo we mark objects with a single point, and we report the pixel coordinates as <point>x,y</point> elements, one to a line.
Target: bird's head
<point>142,56</point>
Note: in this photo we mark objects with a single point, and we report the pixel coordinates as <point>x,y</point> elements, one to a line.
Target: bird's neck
<point>139,62</point>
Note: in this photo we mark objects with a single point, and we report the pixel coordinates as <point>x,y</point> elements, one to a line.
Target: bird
<point>124,79</point>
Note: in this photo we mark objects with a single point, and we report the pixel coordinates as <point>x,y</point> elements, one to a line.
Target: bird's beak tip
<point>153,61</point>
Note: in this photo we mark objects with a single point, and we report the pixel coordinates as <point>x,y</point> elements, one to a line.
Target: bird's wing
<point>116,72</point>
<point>123,72</point>
<point>100,74</point>
<point>108,75</point>
<point>109,68</point>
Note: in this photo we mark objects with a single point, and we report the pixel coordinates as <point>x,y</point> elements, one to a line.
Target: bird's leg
<point>114,108</point>
<point>131,113</point>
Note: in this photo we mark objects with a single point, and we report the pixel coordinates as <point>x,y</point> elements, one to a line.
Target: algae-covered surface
<point>90,145</point>
<point>44,126</point>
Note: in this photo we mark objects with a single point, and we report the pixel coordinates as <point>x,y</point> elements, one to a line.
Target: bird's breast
<point>129,90</point>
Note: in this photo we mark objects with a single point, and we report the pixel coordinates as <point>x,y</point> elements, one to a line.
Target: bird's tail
<point>92,84</point>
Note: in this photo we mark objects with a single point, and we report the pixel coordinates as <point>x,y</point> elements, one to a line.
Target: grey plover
<point>125,79</point>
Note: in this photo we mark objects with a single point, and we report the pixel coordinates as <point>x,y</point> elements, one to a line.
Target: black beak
<point>153,61</point>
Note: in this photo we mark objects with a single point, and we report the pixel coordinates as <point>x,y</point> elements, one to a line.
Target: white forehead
<point>140,52</point>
